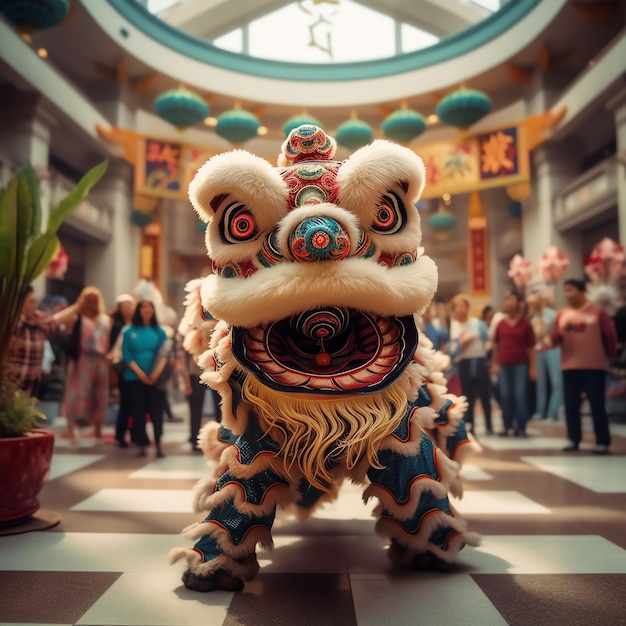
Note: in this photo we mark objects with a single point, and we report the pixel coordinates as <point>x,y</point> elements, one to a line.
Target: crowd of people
<point>129,357</point>
<point>528,359</point>
<point>531,360</point>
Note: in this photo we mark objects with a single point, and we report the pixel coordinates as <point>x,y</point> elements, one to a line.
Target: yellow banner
<point>474,162</point>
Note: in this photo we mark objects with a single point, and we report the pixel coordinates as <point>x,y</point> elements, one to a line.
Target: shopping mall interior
<point>517,109</point>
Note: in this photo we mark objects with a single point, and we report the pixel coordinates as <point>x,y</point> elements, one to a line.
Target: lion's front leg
<point>414,510</point>
<point>241,505</point>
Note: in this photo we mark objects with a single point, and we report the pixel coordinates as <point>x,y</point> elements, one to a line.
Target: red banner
<point>479,262</point>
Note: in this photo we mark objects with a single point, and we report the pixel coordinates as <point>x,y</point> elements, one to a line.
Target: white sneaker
<point>599,449</point>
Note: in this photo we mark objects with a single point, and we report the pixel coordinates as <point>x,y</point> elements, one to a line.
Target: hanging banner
<point>158,170</point>
<point>478,248</point>
<point>474,162</point>
<point>462,164</point>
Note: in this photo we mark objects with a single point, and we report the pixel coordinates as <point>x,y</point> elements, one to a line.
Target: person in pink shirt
<point>587,338</point>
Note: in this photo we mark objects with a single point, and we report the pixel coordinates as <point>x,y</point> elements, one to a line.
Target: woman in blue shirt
<point>141,343</point>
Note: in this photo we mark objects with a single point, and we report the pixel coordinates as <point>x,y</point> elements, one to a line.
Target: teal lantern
<point>181,108</point>
<point>237,125</point>
<point>515,209</point>
<point>31,15</point>
<point>140,218</point>
<point>404,125</point>
<point>298,120</point>
<point>442,223</point>
<point>463,107</point>
<point>354,134</point>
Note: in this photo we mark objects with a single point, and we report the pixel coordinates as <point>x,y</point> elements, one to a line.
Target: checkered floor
<point>553,552</point>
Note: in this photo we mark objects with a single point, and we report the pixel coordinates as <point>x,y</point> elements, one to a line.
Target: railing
<point>94,220</point>
<point>592,193</point>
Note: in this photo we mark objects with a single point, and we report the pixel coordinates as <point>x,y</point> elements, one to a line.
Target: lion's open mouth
<point>327,350</point>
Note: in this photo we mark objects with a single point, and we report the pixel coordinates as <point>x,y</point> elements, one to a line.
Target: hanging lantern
<point>181,108</point>
<point>237,125</point>
<point>515,209</point>
<point>298,120</point>
<point>404,125</point>
<point>140,218</point>
<point>29,16</point>
<point>354,133</point>
<point>463,107</point>
<point>442,222</point>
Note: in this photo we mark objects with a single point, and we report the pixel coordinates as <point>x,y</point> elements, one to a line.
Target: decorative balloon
<point>520,271</point>
<point>605,262</point>
<point>58,266</point>
<point>551,264</point>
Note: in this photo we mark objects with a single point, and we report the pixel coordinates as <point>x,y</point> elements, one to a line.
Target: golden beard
<point>315,433</point>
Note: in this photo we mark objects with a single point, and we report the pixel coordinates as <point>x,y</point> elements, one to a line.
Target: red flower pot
<point>24,466</point>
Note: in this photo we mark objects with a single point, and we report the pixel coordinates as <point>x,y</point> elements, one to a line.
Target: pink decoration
<point>605,262</point>
<point>58,266</point>
<point>520,271</point>
<point>551,264</point>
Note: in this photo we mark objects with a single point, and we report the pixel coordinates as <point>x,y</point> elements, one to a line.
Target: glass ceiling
<point>322,31</point>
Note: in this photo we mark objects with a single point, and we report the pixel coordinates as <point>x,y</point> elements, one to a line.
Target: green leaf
<point>8,225</point>
<point>75,197</point>
<point>28,173</point>
<point>42,251</point>
<point>24,223</point>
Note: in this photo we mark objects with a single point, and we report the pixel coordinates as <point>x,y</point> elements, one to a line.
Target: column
<point>25,130</point>
<point>114,267</point>
<point>553,166</point>
<point>617,104</point>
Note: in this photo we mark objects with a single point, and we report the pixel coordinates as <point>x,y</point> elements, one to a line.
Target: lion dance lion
<point>308,329</point>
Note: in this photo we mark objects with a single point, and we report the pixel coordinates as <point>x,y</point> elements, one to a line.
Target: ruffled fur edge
<point>419,542</point>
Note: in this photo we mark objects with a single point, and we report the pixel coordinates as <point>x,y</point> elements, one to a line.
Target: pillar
<point>25,131</point>
<point>617,104</point>
<point>114,267</point>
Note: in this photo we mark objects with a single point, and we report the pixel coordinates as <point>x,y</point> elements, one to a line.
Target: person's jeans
<point>475,383</point>
<point>592,382</point>
<point>513,381</point>
<point>549,368</point>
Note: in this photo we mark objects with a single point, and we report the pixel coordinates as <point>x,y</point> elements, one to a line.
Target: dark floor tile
<point>302,599</point>
<point>571,599</point>
<point>50,597</point>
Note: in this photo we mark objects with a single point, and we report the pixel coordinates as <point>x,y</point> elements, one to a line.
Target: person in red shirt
<point>513,362</point>
<point>588,339</point>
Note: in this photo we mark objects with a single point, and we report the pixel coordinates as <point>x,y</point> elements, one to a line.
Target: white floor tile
<point>519,443</point>
<point>176,467</point>
<point>83,443</point>
<point>473,472</point>
<point>497,503</point>
<point>139,500</point>
<point>617,429</point>
<point>155,599</point>
<point>348,506</point>
<point>411,599</point>
<point>63,464</point>
<point>546,554</point>
<point>602,474</point>
<point>89,552</point>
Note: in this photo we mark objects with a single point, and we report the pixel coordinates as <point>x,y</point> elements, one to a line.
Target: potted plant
<point>26,250</point>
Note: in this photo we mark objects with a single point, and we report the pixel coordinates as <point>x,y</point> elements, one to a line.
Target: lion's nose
<point>319,239</point>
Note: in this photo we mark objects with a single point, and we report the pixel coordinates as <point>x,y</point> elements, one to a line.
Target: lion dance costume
<point>308,329</point>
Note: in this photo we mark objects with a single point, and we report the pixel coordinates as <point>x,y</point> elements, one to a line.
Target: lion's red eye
<point>390,216</point>
<point>238,224</point>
